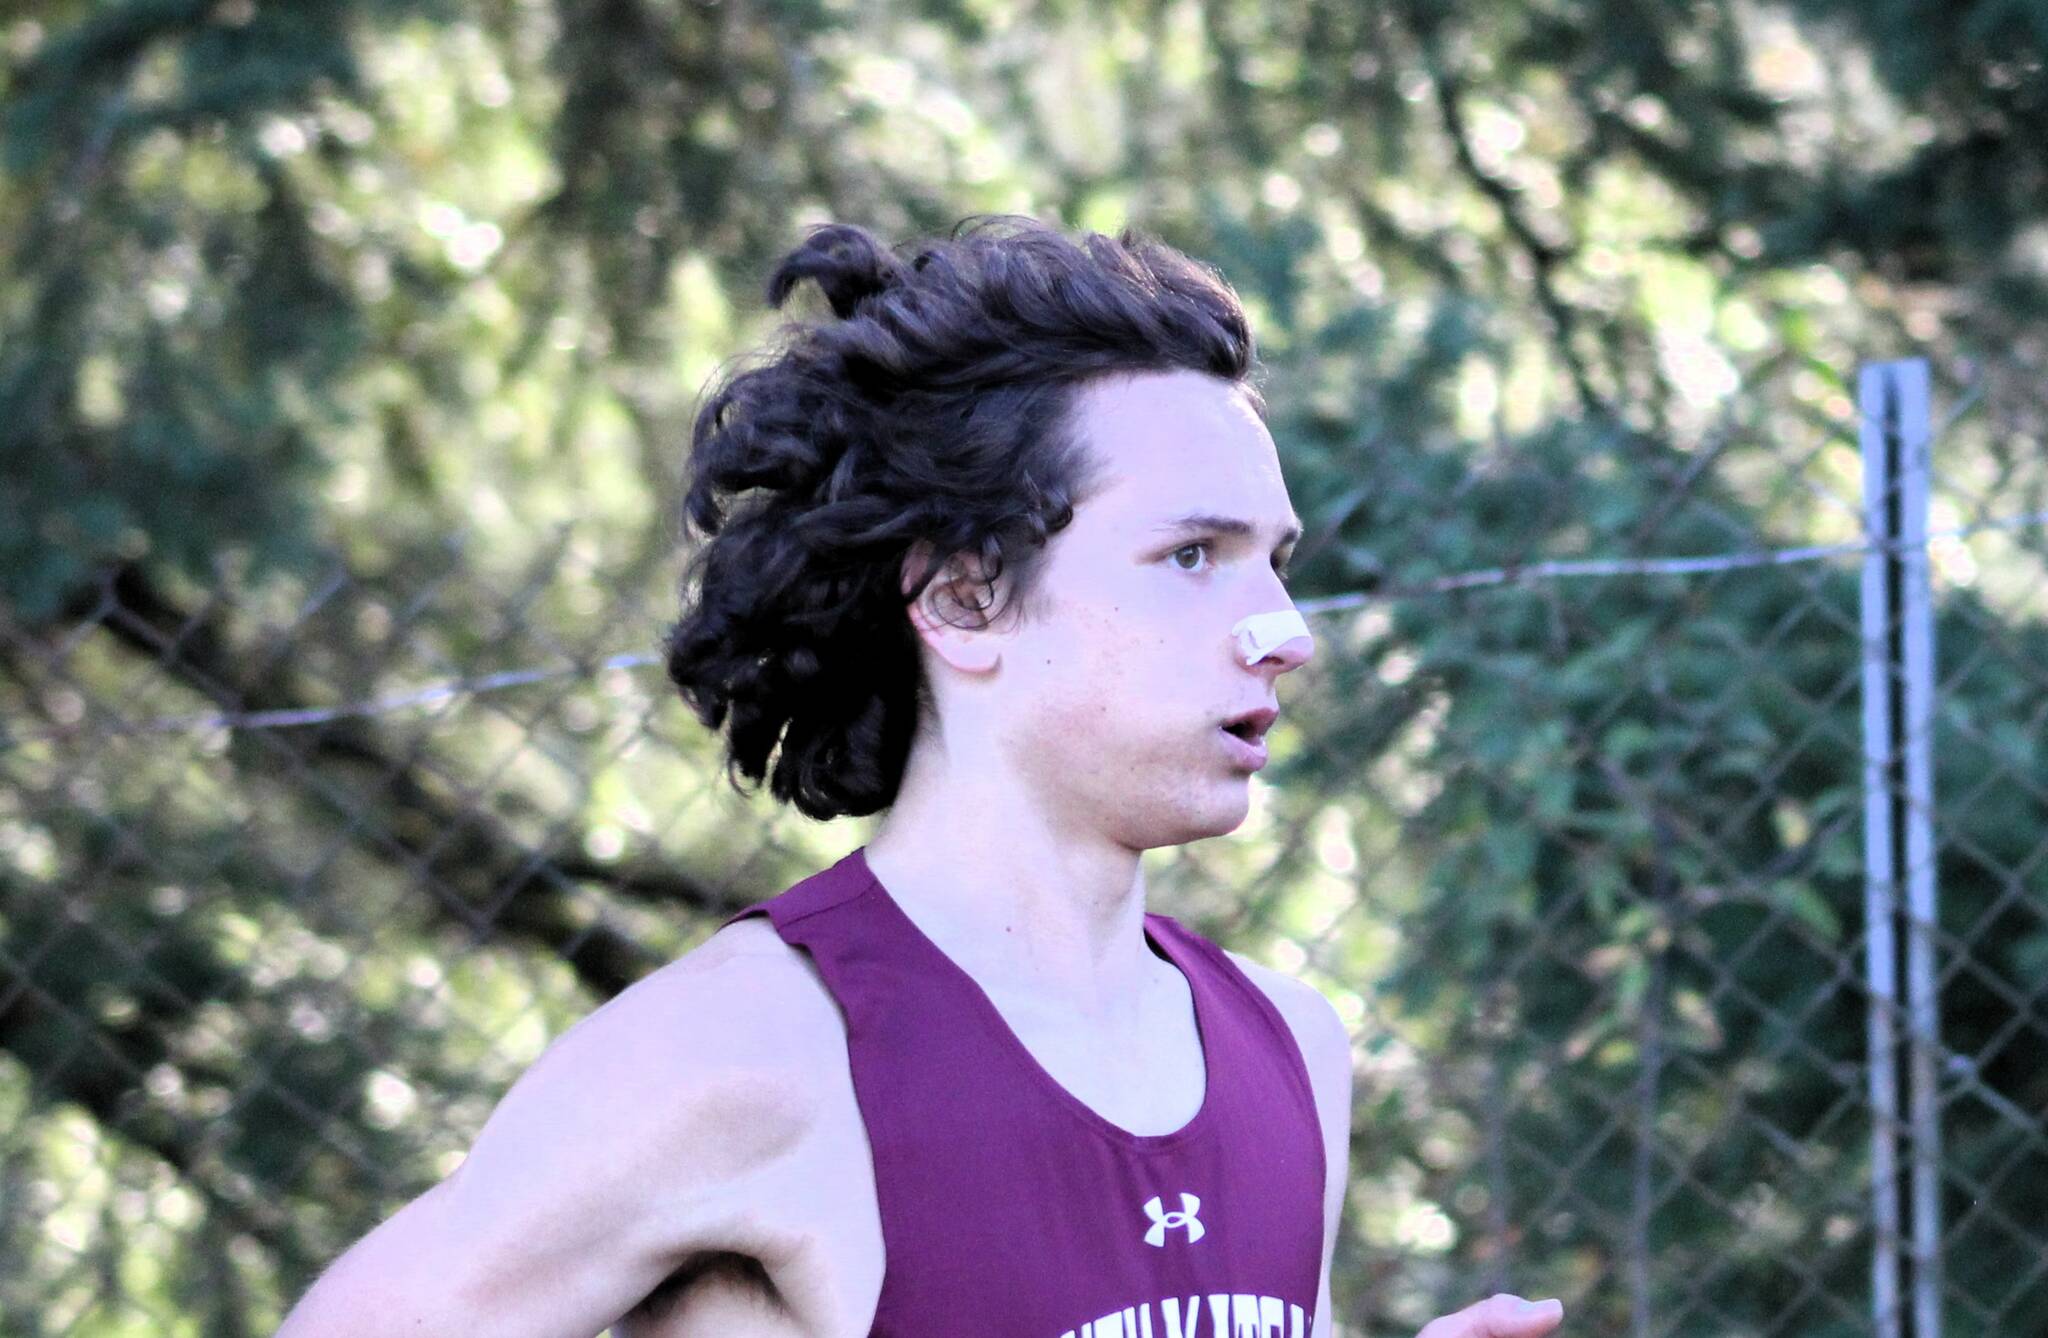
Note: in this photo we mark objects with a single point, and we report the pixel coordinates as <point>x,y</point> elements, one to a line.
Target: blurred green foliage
<point>349,346</point>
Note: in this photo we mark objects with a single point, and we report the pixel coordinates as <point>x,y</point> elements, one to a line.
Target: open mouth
<point>1248,735</point>
<point>1246,745</point>
<point>1251,726</point>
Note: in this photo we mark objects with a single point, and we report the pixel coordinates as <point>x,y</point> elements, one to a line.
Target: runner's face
<point>1112,698</point>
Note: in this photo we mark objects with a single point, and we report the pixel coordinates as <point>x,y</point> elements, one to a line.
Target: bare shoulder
<point>737,998</point>
<point>740,1000</point>
<point>1312,1017</point>
<point>757,969</point>
<point>706,1063</point>
<point>1318,1029</point>
<point>753,938</point>
<point>666,1125</point>
<point>776,1269</point>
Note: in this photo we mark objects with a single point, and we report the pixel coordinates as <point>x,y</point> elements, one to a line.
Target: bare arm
<point>633,1143</point>
<point>1331,1074</point>
<point>1326,1050</point>
<point>1325,1045</point>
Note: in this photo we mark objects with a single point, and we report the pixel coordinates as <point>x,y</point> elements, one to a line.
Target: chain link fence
<point>1566,817</point>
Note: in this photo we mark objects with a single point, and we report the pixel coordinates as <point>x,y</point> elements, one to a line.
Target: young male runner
<point>997,554</point>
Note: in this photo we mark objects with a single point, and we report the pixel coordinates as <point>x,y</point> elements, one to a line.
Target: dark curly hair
<point>937,408</point>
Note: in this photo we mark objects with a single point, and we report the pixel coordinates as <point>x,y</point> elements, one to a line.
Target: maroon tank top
<point>1011,1209</point>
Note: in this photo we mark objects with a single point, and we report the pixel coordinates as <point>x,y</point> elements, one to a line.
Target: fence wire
<point>297,880</point>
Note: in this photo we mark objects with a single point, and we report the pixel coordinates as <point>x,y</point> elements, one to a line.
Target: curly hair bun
<point>848,262</point>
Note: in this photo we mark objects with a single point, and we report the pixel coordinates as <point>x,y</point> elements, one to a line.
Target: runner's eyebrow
<point>1202,520</point>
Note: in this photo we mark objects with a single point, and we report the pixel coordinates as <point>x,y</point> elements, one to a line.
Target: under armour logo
<point>1163,1221</point>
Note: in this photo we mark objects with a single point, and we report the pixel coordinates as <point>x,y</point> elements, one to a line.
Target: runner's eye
<point>1284,570</point>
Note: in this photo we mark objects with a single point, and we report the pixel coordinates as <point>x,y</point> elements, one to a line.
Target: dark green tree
<point>348,347</point>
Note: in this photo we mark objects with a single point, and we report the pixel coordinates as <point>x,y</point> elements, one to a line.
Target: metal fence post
<point>1898,784</point>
